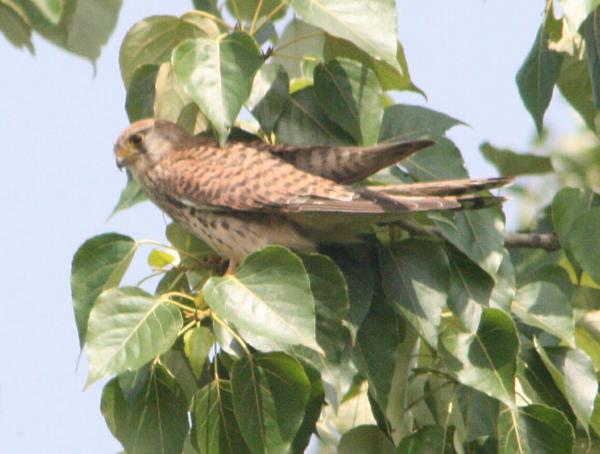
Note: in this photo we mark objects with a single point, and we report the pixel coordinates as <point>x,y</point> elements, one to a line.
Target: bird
<point>244,196</point>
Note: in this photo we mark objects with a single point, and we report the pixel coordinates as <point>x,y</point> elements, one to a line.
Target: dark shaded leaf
<point>304,123</point>
<point>14,24</point>
<point>197,344</point>
<point>98,264</point>
<point>131,195</point>
<point>246,10</point>
<point>426,440</point>
<point>330,293</point>
<point>537,76</point>
<point>415,276</point>
<point>365,440</point>
<point>270,91</point>
<point>590,30</point>
<point>214,427</point>
<point>568,204</point>
<point>140,93</point>
<point>512,164</point>
<point>403,122</point>
<point>575,85</point>
<point>351,96</point>
<point>154,421</point>
<point>270,393</point>
<point>584,242</point>
<point>312,412</point>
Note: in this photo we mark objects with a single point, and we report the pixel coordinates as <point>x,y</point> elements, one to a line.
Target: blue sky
<point>59,184</point>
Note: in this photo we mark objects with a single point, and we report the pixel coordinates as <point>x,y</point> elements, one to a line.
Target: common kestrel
<point>244,196</point>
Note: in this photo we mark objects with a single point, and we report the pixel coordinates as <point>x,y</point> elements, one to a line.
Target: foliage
<point>444,338</point>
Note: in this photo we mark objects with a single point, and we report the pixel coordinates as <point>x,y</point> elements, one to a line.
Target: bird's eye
<point>136,140</point>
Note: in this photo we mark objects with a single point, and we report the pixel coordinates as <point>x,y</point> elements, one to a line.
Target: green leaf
<point>365,440</point>
<point>568,204</point>
<point>534,429</point>
<point>415,276</point>
<point>131,195</point>
<point>304,123</point>
<point>587,334</point>
<point>51,9</point>
<point>426,440</point>
<point>584,242</point>
<point>160,259</point>
<point>218,75</point>
<point>14,24</point>
<point>312,411</point>
<point>573,373</point>
<point>299,42</point>
<point>575,85</point>
<point>536,379</point>
<point>510,163</point>
<point>268,299</point>
<point>189,246</point>
<point>214,427</point>
<point>98,264</point>
<point>470,289</point>
<point>332,304</point>
<point>545,306</point>
<point>84,26</point>
<point>197,344</point>
<point>537,76</point>
<point>402,122</point>
<point>154,421</point>
<point>248,9</point>
<point>369,24</point>
<point>377,340</point>
<point>351,96</point>
<point>478,235</point>
<point>270,91</point>
<point>479,411</point>
<point>391,77</point>
<point>591,35</point>
<point>127,328</point>
<point>152,40</point>
<point>141,93</point>
<point>485,360</point>
<point>270,393</point>
<point>504,290</point>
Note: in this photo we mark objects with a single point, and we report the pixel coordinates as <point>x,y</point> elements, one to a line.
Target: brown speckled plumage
<point>245,196</point>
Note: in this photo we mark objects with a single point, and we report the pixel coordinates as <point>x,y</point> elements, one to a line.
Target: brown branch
<point>547,241</point>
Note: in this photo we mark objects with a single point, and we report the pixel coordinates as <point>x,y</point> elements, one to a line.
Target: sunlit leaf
<point>127,328</point>
<point>98,264</point>
<point>268,299</point>
<point>299,42</point>
<point>534,429</point>
<point>369,24</point>
<point>573,373</point>
<point>484,360</point>
<point>152,40</point>
<point>218,75</point>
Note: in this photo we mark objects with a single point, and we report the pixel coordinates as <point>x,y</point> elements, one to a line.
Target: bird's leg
<point>231,267</point>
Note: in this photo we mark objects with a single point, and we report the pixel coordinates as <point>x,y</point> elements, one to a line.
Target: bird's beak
<point>124,157</point>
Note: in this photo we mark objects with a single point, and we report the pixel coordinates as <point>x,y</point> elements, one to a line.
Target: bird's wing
<point>248,179</point>
<point>347,164</point>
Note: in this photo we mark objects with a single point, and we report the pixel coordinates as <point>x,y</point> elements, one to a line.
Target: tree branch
<point>547,241</point>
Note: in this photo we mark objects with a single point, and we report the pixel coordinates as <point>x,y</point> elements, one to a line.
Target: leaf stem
<point>255,16</point>
<point>268,18</point>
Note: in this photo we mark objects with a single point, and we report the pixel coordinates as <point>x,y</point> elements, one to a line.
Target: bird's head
<point>146,142</point>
